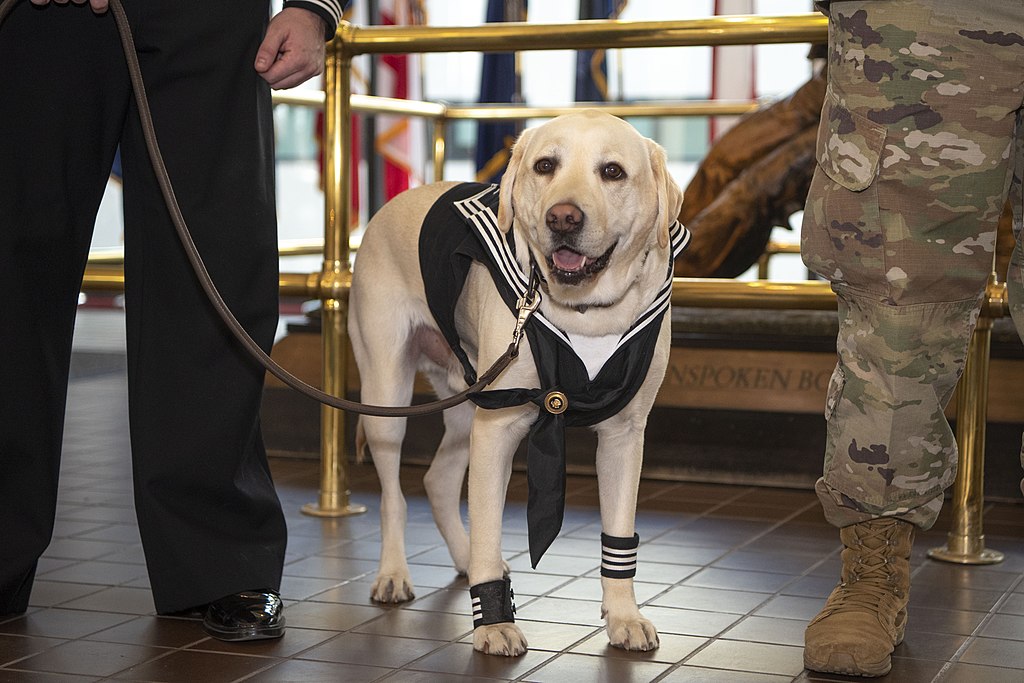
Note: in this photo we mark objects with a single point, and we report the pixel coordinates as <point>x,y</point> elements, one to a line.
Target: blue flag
<point>498,85</point>
<point>591,66</point>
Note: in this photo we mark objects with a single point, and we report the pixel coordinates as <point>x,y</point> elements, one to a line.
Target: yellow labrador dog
<point>585,215</point>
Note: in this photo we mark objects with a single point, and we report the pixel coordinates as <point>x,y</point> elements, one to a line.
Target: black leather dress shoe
<point>252,615</point>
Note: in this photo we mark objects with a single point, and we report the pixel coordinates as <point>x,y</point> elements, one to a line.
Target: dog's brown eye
<point>613,172</point>
<point>544,166</point>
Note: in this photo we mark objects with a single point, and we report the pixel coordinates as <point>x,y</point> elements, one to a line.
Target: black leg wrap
<point>618,556</point>
<point>493,602</point>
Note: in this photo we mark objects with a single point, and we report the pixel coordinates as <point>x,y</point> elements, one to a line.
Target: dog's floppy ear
<point>670,197</point>
<point>506,212</point>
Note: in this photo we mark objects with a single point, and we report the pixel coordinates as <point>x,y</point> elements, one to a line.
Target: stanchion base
<point>314,510</point>
<point>983,556</point>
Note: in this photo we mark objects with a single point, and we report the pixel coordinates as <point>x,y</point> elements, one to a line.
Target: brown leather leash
<point>527,305</point>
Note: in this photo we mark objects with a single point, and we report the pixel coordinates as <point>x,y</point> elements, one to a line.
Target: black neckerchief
<point>461,228</point>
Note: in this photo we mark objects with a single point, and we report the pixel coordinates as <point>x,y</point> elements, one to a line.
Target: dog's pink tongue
<point>569,260</point>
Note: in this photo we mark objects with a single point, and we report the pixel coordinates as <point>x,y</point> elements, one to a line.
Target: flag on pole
<point>499,84</point>
<point>592,65</point>
<point>401,140</point>
<point>733,76</point>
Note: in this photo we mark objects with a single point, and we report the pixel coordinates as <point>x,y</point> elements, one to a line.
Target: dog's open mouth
<point>571,267</point>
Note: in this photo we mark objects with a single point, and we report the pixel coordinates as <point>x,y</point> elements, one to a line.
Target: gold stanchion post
<point>965,543</point>
<point>334,281</point>
<point>440,126</point>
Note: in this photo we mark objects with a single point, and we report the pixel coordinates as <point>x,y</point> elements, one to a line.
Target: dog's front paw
<point>499,639</point>
<point>392,588</point>
<point>633,634</point>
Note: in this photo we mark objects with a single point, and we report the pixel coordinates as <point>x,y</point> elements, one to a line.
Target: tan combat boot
<point>865,615</point>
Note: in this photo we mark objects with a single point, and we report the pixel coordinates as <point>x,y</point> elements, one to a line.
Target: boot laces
<point>872,580</point>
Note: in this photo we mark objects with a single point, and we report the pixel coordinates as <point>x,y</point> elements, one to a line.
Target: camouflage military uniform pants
<point>918,148</point>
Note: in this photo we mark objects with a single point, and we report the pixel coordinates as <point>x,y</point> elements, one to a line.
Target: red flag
<point>401,140</point>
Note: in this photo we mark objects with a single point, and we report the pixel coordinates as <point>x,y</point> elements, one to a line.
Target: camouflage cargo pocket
<point>841,238</point>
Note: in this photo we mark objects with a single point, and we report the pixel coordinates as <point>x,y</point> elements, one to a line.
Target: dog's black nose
<point>564,218</point>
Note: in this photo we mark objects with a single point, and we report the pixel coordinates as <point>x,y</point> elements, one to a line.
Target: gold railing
<point>331,284</point>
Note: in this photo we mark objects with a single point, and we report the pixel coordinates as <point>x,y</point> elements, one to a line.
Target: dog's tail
<point>360,442</point>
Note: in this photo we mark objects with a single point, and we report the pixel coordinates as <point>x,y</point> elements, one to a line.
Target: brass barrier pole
<point>965,543</point>
<point>335,279</point>
<point>762,266</point>
<point>600,34</point>
<point>440,127</point>
<point>771,249</point>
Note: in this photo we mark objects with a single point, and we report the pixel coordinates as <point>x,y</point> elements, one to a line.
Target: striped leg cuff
<point>493,602</point>
<point>618,556</point>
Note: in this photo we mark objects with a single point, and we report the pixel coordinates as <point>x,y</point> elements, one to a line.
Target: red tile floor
<point>729,574</point>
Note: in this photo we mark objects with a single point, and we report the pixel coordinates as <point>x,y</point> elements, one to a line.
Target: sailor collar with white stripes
<point>479,212</point>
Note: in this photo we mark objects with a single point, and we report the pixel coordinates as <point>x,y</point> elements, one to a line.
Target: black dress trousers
<point>209,517</point>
